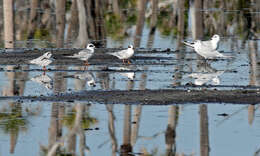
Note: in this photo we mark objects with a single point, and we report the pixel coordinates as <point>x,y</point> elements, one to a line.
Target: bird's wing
<point>207,45</point>
<point>119,54</point>
<point>82,53</point>
<point>205,51</point>
<point>43,58</point>
<point>85,51</point>
<point>37,60</point>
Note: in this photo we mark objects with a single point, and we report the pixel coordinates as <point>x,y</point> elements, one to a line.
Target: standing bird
<point>207,52</point>
<point>207,49</point>
<point>43,60</point>
<point>124,54</point>
<point>85,54</point>
<point>211,44</point>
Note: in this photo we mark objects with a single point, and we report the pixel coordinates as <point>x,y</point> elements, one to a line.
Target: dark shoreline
<point>152,97</point>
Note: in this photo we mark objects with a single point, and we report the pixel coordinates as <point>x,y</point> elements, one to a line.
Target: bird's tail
<point>32,61</point>
<point>188,44</point>
<point>224,56</point>
<point>70,56</point>
<point>113,54</point>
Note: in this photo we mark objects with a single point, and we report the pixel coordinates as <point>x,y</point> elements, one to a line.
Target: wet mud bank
<point>22,56</point>
<point>153,97</point>
<point>100,57</point>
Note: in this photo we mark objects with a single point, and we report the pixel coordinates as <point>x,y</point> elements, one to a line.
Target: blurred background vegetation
<point>73,23</point>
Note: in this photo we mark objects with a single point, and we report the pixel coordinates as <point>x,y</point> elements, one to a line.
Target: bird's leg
<point>44,70</point>
<point>128,61</point>
<point>86,63</point>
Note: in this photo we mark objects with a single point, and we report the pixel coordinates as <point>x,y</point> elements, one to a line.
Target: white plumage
<point>207,49</point>
<point>43,60</point>
<point>210,44</point>
<point>84,54</point>
<point>124,54</point>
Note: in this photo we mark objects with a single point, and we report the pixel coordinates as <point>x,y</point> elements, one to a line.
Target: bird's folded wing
<point>34,61</point>
<point>119,54</point>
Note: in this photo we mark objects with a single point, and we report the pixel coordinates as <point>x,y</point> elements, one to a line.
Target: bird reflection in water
<point>126,72</point>
<point>44,80</point>
<point>88,76</point>
<point>206,74</point>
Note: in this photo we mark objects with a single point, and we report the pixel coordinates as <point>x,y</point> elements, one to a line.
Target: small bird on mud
<point>85,54</point>
<point>124,54</point>
<point>207,49</point>
<point>43,60</point>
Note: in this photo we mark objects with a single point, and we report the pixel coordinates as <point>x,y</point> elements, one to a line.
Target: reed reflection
<point>254,74</point>
<point>170,134</point>
<point>12,119</point>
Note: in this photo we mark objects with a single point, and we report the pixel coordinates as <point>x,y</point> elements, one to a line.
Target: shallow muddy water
<point>235,134</point>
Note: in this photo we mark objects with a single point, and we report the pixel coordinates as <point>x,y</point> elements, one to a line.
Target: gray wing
<point>82,54</point>
<point>210,53</point>
<point>119,54</point>
<point>207,45</point>
<point>37,60</point>
<point>86,51</point>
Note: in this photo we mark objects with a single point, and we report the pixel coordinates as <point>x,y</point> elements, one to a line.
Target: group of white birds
<point>84,55</point>
<point>207,49</point>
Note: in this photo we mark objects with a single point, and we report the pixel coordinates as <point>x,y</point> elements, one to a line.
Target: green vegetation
<point>87,120</point>
<point>13,120</point>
